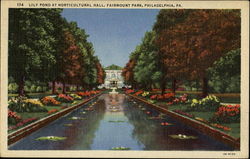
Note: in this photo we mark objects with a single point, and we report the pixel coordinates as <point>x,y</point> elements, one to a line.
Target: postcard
<point>141,79</point>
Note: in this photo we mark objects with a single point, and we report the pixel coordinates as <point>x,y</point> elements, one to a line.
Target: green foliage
<point>39,89</point>
<point>146,69</point>
<point>41,47</point>
<point>225,73</point>
<point>113,67</point>
<point>12,88</point>
<point>31,42</point>
<point>33,88</point>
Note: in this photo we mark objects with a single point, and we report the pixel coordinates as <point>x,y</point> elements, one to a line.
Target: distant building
<point>113,77</point>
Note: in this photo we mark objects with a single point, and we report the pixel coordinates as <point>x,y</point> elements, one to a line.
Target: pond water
<point>112,121</point>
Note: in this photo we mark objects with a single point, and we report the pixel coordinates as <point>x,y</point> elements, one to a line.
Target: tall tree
<point>166,20</point>
<point>190,52</point>
<point>31,43</point>
<point>146,69</point>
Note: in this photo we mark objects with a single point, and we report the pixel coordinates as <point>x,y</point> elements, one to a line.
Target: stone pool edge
<point>210,131</point>
<point>25,131</point>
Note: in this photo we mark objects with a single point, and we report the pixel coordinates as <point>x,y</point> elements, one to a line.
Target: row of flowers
<point>23,104</point>
<point>22,123</point>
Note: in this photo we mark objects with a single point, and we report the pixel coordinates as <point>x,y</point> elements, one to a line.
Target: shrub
<point>33,89</point>
<point>182,99</point>
<point>50,101</point>
<point>145,94</point>
<point>227,114</point>
<point>12,87</point>
<point>210,103</point>
<point>39,89</point>
<point>13,118</point>
<point>72,88</point>
<point>22,104</point>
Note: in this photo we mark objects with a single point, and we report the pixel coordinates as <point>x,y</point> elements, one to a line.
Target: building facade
<point>113,79</point>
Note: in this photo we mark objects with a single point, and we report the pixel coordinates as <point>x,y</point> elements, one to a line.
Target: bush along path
<point>208,110</point>
<point>22,111</point>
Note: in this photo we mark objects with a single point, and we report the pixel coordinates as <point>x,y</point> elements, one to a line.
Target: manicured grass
<point>235,129</point>
<point>32,95</point>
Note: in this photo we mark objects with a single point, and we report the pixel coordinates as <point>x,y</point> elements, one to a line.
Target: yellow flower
<point>32,101</point>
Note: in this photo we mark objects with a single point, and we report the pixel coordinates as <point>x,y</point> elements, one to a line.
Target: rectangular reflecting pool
<point>115,122</point>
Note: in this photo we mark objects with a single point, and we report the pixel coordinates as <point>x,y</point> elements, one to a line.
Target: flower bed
<point>22,104</point>
<point>227,114</point>
<point>210,103</point>
<point>22,123</point>
<point>64,98</point>
<point>75,96</point>
<point>50,101</point>
<point>13,118</point>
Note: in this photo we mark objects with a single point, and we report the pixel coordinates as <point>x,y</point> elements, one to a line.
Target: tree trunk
<point>53,87</point>
<point>77,88</point>
<point>204,87</point>
<point>163,86</point>
<point>21,87</point>
<point>174,85</point>
<point>64,88</point>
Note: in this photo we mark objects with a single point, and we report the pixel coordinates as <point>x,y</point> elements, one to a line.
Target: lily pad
<point>76,118</point>
<point>68,124</point>
<point>83,112</point>
<point>120,148</point>
<point>117,121</point>
<point>51,138</point>
<point>182,137</point>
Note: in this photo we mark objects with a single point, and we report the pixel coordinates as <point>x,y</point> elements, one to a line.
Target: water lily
<point>120,148</point>
<point>68,124</point>
<point>77,118</point>
<point>51,138</point>
<point>182,137</point>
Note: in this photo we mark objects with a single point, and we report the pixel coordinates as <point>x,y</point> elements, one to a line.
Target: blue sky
<point>113,32</point>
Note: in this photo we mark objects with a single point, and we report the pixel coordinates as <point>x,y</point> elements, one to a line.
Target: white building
<point>113,79</point>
